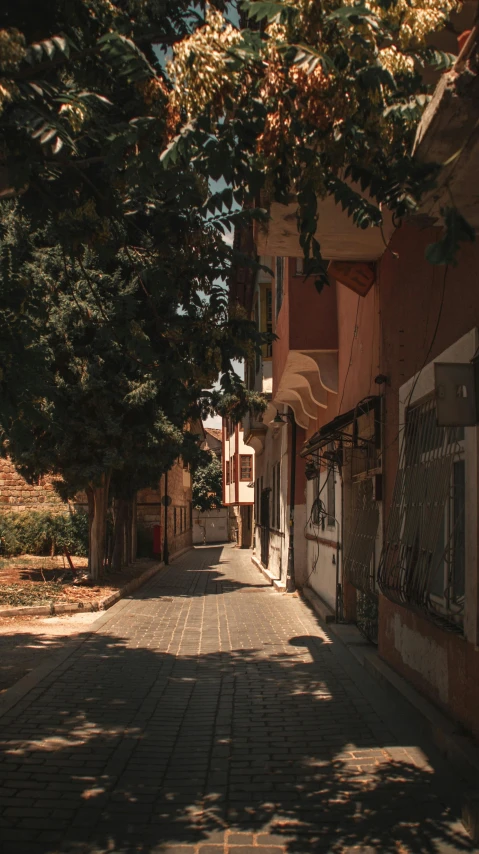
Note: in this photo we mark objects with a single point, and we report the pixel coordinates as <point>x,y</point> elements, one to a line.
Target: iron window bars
<point>425,533</point>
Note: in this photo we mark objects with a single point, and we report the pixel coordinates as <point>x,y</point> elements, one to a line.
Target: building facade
<point>385,510</point>
<point>212,526</point>
<point>367,454</point>
<point>238,483</point>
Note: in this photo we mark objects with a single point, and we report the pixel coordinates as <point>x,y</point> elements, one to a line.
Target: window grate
<point>424,536</point>
<point>359,562</point>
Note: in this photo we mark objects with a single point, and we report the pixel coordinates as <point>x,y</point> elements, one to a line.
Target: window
<point>246,467</point>
<point>279,284</point>
<point>423,558</point>
<point>447,582</point>
<point>227,472</point>
<point>257,503</point>
<point>174,521</point>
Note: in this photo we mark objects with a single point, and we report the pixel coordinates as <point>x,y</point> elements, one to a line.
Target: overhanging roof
<point>334,427</point>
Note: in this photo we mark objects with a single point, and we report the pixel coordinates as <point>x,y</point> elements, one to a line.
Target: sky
<point>216,421</point>
<point>216,187</point>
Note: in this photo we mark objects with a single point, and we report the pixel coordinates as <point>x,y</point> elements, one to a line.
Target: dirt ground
<point>33,580</point>
<point>25,642</point>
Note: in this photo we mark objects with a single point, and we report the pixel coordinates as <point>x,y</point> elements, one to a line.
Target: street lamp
<point>290,576</point>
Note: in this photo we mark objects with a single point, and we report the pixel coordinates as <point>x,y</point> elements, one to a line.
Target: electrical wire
<point>407,403</point>
<point>313,525</point>
<point>350,354</point>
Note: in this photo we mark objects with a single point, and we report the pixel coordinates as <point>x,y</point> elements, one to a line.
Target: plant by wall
<point>44,533</point>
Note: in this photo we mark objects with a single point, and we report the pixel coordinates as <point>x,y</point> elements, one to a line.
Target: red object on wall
<point>157,540</point>
<point>359,276</point>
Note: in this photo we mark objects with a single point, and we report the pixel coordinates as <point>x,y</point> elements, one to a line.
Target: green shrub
<point>43,533</point>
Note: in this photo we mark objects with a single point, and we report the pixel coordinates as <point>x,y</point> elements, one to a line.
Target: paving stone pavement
<point>211,715</point>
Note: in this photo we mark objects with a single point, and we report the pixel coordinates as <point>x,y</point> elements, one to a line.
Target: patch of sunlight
<point>87,794</point>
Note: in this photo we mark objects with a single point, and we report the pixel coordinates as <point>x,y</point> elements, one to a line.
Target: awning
<point>333,429</point>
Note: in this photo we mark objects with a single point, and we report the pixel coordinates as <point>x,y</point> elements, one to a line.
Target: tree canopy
<point>308,99</point>
<point>117,117</point>
<point>208,485</point>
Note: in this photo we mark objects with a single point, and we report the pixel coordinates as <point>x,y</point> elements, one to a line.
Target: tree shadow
<point>21,652</point>
<point>209,578</point>
<point>134,748</point>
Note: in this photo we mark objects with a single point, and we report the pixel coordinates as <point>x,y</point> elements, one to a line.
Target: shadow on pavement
<point>128,748</point>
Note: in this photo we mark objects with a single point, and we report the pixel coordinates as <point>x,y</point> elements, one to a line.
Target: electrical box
<point>456,399</point>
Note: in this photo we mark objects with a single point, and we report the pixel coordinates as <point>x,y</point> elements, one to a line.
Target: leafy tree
<point>111,359</point>
<point>208,485</point>
<point>309,100</point>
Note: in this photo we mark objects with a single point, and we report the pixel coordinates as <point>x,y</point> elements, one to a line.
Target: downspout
<point>290,575</point>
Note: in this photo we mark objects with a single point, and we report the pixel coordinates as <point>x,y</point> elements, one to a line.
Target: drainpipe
<point>166,554</point>
<point>290,575</point>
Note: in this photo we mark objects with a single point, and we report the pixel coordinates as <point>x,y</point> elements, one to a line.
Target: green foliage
<point>314,94</point>
<point>114,316</point>
<point>208,485</point>
<point>44,533</point>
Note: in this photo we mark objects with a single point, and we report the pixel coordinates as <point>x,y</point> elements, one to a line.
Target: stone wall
<point>17,496</point>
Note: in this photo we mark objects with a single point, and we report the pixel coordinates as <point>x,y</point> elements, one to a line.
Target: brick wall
<point>16,495</point>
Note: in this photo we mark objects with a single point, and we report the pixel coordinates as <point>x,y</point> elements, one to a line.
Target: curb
<point>21,689</point>
<point>459,749</point>
<point>318,605</point>
<point>17,692</point>
<point>54,608</point>
<point>278,585</point>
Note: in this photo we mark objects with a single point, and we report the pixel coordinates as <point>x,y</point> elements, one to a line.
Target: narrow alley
<point>210,714</point>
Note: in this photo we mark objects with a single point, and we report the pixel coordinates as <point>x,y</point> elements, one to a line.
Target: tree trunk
<point>121,517</point>
<point>99,505</point>
<point>128,533</point>
<point>134,528</point>
<point>91,512</point>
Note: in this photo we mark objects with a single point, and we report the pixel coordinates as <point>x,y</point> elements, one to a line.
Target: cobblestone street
<point>210,714</point>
